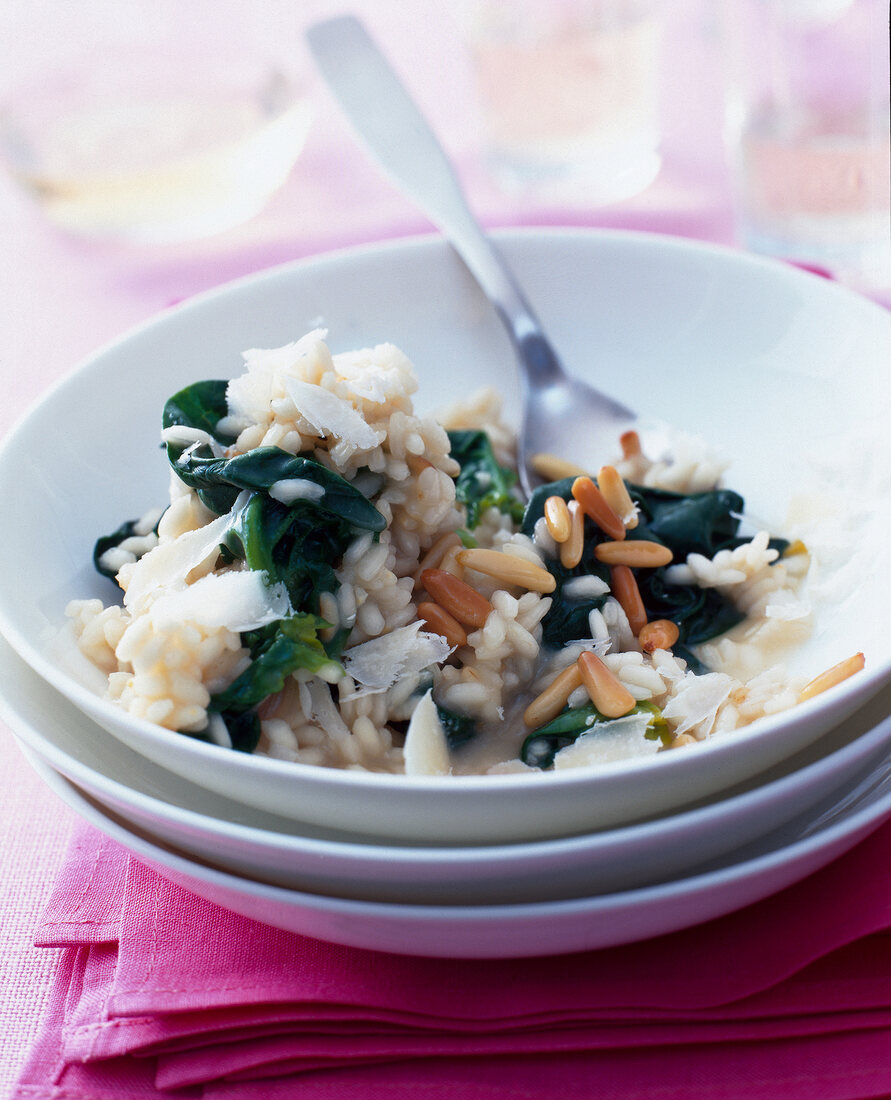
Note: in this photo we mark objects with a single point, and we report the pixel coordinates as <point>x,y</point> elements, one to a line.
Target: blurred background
<point>150,149</point>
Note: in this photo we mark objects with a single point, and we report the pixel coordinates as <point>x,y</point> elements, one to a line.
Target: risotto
<point>338,581</point>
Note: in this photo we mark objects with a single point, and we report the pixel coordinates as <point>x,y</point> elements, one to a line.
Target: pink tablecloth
<point>157,989</point>
<point>62,297</point>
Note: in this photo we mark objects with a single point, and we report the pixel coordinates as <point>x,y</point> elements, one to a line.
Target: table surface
<point>63,297</point>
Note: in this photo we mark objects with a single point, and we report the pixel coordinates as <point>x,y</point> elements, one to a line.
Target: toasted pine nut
<point>450,561</point>
<point>459,599</point>
<point>557,518</point>
<point>606,692</point>
<point>437,551</point>
<point>508,568</point>
<point>630,444</point>
<point>571,550</point>
<point>794,548</point>
<point>441,622</point>
<point>624,588</point>
<point>552,468</point>
<point>553,699</point>
<point>658,634</point>
<point>640,553</point>
<point>616,494</point>
<point>594,505</point>
<point>832,676</point>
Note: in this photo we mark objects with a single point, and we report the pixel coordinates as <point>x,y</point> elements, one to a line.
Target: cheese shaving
<point>330,415</point>
<point>379,663</point>
<point>426,750</point>
<point>239,600</point>
<point>168,566</point>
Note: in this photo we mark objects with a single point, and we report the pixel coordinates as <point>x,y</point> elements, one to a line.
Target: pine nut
<point>460,600</point>
<point>508,568</point>
<point>630,444</point>
<point>437,551</point>
<point>640,553</point>
<point>554,697</point>
<point>624,588</point>
<point>594,505</point>
<point>557,518</point>
<point>552,468</point>
<point>606,692</point>
<point>658,634</point>
<point>616,494</point>
<point>441,622</point>
<point>832,676</point>
<point>450,561</point>
<point>794,548</point>
<point>571,551</point>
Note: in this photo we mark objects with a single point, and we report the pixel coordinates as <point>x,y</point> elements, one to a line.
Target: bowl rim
<point>867,682</point>
<point>865,747</point>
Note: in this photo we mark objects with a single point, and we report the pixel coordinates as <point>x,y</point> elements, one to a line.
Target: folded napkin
<point>160,993</point>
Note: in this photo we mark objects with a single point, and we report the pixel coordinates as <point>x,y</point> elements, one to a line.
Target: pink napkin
<point>160,993</point>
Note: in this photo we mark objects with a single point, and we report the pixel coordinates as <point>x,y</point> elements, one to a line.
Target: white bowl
<point>167,809</point>
<point>520,930</point>
<point>785,371</point>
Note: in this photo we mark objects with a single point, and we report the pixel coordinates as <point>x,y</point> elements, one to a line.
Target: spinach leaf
<point>691,523</point>
<point>109,542</point>
<point>458,728</point>
<point>542,745</point>
<point>482,483</point>
<point>243,728</point>
<point>276,650</point>
<point>292,544</point>
<point>700,613</point>
<point>201,405</point>
<point>218,481</point>
<point>701,523</point>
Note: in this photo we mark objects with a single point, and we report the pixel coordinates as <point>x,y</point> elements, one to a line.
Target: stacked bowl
<point>786,371</point>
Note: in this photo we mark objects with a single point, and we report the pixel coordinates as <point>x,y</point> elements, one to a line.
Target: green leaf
<point>458,728</point>
<point>701,523</point>
<point>482,483</point>
<point>277,650</point>
<point>693,523</point>
<point>201,405</point>
<point>108,542</point>
<point>220,480</point>
<point>290,544</point>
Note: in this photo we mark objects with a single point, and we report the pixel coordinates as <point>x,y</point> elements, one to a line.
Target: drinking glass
<point>151,122</point>
<point>807,127</point>
<point>569,93</point>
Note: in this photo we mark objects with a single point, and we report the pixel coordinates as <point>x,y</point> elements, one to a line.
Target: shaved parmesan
<point>376,374</point>
<point>239,600</point>
<point>621,739</point>
<point>381,662</point>
<point>250,395</point>
<point>696,700</point>
<point>169,565</point>
<point>330,415</point>
<point>426,750</point>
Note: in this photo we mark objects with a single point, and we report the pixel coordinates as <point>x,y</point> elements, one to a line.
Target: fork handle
<point>400,140</point>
